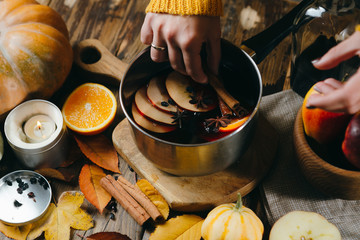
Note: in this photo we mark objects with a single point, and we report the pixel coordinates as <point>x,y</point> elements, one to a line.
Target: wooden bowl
<point>337,179</point>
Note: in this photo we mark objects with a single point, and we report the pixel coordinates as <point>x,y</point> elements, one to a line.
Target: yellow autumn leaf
<point>67,214</point>
<point>154,196</point>
<point>184,227</point>
<point>39,226</point>
<point>15,232</point>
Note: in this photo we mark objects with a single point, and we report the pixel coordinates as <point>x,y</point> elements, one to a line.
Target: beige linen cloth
<point>285,189</point>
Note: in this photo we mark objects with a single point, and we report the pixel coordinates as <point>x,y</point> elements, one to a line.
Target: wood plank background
<point>117,24</point>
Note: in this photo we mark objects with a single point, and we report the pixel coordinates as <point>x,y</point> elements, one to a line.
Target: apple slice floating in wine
<point>189,95</point>
<point>147,109</point>
<point>158,95</point>
<point>147,124</point>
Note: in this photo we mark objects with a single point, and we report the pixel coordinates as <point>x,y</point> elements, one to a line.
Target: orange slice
<point>89,109</point>
<point>234,124</point>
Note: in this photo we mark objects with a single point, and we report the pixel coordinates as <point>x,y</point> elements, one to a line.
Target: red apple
<point>321,125</point>
<point>351,143</point>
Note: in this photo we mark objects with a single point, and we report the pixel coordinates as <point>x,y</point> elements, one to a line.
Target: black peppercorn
<point>45,185</point>
<point>189,89</point>
<point>24,186</point>
<point>17,204</point>
<point>171,102</point>
<point>164,104</point>
<point>19,190</point>
<point>33,180</point>
<point>41,181</point>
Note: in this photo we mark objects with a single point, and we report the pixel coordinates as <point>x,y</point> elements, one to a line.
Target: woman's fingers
<point>327,86</point>
<point>341,52</point>
<point>193,64</point>
<point>179,39</point>
<point>214,54</point>
<point>146,33</point>
<point>151,34</point>
<point>330,101</point>
<point>176,58</point>
<point>159,50</point>
<point>336,96</point>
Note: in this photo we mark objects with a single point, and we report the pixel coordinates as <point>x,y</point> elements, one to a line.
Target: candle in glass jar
<point>38,128</point>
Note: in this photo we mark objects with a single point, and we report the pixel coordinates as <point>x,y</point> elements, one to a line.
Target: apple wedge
<point>147,124</point>
<point>158,95</point>
<point>181,89</point>
<point>301,225</point>
<point>147,109</point>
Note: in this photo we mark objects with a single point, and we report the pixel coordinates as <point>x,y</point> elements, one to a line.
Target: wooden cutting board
<point>183,193</point>
<point>204,192</point>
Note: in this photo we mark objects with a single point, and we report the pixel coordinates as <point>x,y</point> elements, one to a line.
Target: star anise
<point>179,116</point>
<point>200,100</point>
<point>216,123</point>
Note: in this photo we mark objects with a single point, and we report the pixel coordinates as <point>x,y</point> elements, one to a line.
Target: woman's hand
<point>183,37</point>
<point>337,96</point>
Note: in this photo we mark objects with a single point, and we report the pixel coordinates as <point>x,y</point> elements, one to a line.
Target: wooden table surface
<point>117,24</point>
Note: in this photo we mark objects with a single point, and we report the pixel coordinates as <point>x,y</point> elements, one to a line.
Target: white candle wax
<point>39,128</point>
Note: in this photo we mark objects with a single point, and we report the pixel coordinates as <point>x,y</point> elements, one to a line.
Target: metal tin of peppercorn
<point>24,197</point>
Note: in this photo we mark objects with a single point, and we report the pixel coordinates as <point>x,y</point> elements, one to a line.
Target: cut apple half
<point>181,88</point>
<point>147,109</point>
<point>303,225</point>
<point>147,124</point>
<point>158,95</point>
<point>234,124</point>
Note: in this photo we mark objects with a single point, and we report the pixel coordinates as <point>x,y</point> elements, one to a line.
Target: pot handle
<point>260,45</point>
<point>92,56</point>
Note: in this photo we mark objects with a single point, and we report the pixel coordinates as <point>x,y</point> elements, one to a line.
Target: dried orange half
<point>89,109</point>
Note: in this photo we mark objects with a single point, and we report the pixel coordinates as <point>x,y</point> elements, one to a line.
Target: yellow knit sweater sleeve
<point>357,27</point>
<point>186,7</point>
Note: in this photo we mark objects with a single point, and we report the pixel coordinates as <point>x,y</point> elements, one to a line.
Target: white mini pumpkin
<point>232,221</point>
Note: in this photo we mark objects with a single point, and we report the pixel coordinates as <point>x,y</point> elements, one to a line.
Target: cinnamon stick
<point>232,103</point>
<point>125,200</point>
<point>139,196</point>
<point>224,109</point>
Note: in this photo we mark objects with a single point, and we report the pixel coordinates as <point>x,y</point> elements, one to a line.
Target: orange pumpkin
<point>35,52</point>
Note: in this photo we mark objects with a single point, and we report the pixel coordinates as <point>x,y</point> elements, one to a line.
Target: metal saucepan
<point>241,78</point>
